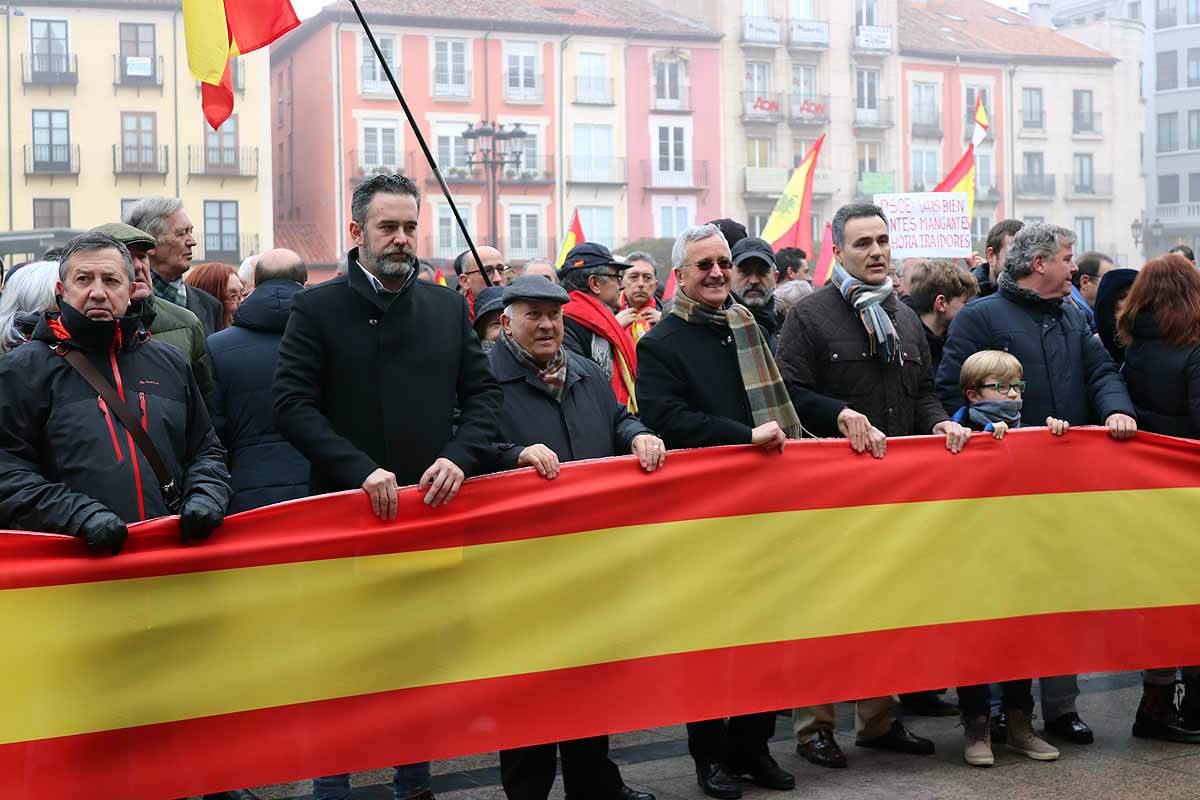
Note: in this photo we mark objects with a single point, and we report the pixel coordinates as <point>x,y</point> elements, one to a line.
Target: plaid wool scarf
<point>172,292</point>
<point>552,375</point>
<point>769,400</point>
<point>866,299</point>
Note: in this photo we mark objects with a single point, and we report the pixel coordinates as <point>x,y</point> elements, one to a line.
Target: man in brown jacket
<point>854,342</point>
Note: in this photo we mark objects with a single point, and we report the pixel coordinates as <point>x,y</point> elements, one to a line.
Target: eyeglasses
<point>1003,387</point>
<point>494,271</point>
<point>707,264</point>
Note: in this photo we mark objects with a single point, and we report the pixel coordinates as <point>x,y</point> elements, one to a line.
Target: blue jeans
<point>410,781</point>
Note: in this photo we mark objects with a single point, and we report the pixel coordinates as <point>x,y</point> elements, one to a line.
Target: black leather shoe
<point>1070,728</point>
<point>716,782</point>
<point>766,772</point>
<point>236,794</point>
<point>927,704</point>
<point>999,727</point>
<point>822,749</point>
<point>633,794</point>
<point>899,740</point>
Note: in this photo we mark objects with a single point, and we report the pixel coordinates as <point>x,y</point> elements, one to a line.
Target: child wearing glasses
<point>992,383</point>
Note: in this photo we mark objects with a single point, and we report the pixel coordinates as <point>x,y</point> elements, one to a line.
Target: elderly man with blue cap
<point>558,407</point>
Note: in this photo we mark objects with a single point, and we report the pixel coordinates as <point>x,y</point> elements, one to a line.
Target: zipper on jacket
<point>145,418</point>
<point>112,432</point>
<point>137,471</point>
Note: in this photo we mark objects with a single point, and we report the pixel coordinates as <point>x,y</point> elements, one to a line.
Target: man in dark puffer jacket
<point>266,468</point>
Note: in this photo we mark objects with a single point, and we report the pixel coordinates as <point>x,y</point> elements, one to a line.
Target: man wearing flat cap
<point>167,322</point>
<point>754,285</point>
<point>592,277</point>
<point>558,407</point>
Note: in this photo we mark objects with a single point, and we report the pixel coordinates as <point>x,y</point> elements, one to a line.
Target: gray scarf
<point>866,299</point>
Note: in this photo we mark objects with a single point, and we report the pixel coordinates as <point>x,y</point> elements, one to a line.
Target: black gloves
<point>199,518</point>
<point>103,531</point>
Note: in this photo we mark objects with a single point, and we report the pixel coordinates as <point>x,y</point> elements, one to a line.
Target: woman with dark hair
<point>222,282</point>
<point>1159,326</point>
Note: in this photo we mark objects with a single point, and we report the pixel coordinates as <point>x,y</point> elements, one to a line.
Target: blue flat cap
<point>534,288</point>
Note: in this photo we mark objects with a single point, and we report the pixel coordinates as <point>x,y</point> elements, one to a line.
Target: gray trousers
<point>1058,696</point>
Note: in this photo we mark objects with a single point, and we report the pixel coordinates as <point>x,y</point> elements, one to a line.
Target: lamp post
<point>492,146</point>
<point>1143,230</point>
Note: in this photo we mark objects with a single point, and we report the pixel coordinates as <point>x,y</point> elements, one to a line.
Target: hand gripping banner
<point>310,638</point>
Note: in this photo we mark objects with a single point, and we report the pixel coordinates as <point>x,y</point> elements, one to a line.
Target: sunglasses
<point>706,265</point>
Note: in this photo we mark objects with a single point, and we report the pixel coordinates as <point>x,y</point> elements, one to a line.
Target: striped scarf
<point>866,300</point>
<point>553,375</point>
<point>769,399</point>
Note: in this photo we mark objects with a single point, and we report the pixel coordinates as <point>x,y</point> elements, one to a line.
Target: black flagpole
<point>412,122</point>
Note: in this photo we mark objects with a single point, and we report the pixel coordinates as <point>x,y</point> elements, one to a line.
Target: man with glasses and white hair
<point>707,378</point>
<point>470,273</point>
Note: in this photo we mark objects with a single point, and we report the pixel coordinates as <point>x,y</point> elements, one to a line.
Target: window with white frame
<point>1085,231</point>
<point>1083,175</point>
<point>593,159</point>
<point>866,12</point>
<point>374,79</point>
<point>925,105</point>
<point>669,89</point>
<point>592,83</point>
<point>49,45</point>
<point>866,98</point>
<point>671,167</point>
<point>381,146</point>
<point>524,233</point>
<point>530,148</point>
<point>451,78</point>
<point>451,147</point>
<point>924,169</point>
<point>868,157</point>
<point>759,151</point>
<point>598,224</point>
<point>804,82</point>
<point>450,241</point>
<point>985,180</point>
<point>522,79</point>
<point>672,220</point>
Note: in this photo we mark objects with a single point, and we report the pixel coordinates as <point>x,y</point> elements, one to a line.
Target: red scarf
<point>639,327</point>
<point>470,305</point>
<point>600,320</point>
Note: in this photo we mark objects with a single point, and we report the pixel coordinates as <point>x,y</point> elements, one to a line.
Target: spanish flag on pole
<point>962,177</point>
<point>574,236</point>
<point>218,30</point>
<point>824,268</point>
<point>790,224</point>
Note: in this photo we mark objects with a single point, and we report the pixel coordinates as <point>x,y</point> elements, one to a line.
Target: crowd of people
<point>134,384</point>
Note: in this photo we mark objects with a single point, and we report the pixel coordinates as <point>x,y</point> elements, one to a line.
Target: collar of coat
<point>506,368</point>
<point>356,276</point>
<point>1027,297</point>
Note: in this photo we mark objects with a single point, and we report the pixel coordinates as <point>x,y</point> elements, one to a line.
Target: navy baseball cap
<point>753,247</point>
<point>588,255</point>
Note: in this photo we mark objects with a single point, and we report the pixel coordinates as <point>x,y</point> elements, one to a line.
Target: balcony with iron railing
<point>1178,213</point>
<point>447,248</point>
<point>766,107</point>
<point>1085,123</point>
<point>810,109</point>
<point>365,165</point>
<point>138,71</point>
<point>51,159</point>
<point>228,248</point>
<point>987,193</point>
<point>679,102</point>
<point>591,90</point>
<point>808,34</point>
<point>453,85</point>
<point>1034,185</point>
<point>49,69</point>
<point>596,169</point>
<point>926,121</point>
<point>1095,186</point>
<point>538,170</point>
<point>519,249</point>
<point>881,115</point>
<point>762,32</point>
<point>523,87</point>
<point>675,173</point>
<point>140,159</point>
<point>872,39</point>
<point>223,162</point>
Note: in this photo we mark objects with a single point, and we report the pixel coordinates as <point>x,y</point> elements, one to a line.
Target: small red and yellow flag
<point>439,278</point>
<point>218,30</point>
<point>962,177</point>
<point>824,267</point>
<point>790,224</point>
<point>574,236</point>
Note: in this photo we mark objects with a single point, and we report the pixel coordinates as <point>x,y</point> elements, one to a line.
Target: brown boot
<point>1157,717</point>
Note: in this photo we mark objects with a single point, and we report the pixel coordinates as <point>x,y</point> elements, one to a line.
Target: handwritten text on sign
<point>927,224</point>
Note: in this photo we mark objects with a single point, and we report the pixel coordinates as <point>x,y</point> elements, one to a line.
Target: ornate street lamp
<point>494,147</point>
<point>1142,229</point>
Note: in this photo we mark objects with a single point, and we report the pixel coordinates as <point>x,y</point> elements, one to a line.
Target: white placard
<point>935,224</point>
<point>139,66</point>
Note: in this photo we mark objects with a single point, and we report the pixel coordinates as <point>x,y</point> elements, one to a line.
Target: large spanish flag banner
<point>218,30</point>
<point>310,638</point>
<point>790,223</point>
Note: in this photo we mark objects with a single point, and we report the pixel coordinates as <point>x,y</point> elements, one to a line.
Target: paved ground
<point>1117,766</point>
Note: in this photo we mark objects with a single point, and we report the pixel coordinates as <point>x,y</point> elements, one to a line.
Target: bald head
<point>280,264</point>
<point>492,262</point>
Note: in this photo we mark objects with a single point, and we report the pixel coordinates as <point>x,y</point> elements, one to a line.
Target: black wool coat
<point>1163,381</point>
<point>266,469</point>
<point>588,423</point>
<point>368,381</point>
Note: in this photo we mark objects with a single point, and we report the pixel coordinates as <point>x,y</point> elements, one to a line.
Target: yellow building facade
<point>99,109</point>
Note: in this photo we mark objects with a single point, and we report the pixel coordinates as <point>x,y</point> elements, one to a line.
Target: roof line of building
<point>135,5</point>
<point>1002,58</point>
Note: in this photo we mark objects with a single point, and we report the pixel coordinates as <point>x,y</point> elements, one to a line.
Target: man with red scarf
<point>640,309</point>
<point>592,277</point>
